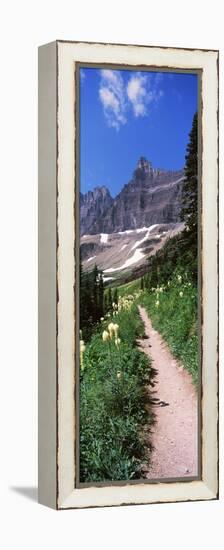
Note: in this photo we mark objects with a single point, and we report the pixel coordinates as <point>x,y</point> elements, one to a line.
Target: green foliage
<point>115,296</point>
<point>129,288</point>
<point>173,310</point>
<point>189,211</point>
<point>174,256</point>
<point>112,403</point>
<point>190,188</point>
<point>91,300</point>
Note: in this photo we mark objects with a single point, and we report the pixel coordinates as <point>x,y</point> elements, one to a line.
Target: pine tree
<point>109,299</point>
<point>95,295</point>
<point>101,292</point>
<point>189,210</point>
<point>105,301</point>
<point>115,296</point>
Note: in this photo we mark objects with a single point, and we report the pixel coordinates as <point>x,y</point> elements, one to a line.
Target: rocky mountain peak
<point>144,165</point>
<point>152,196</point>
<point>144,169</point>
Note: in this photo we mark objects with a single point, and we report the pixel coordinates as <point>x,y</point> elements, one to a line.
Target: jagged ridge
<point>152,196</point>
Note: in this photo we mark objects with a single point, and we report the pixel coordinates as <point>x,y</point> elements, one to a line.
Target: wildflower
<point>119,374</point>
<point>181,294</point>
<point>117,341</point>
<point>168,283</point>
<point>157,303</point>
<point>105,336</point>
<point>102,318</point>
<point>111,329</point>
<point>116,327</point>
<point>82,348</point>
<point>179,278</point>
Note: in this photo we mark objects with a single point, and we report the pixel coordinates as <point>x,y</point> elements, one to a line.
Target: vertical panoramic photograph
<point>139,275</point>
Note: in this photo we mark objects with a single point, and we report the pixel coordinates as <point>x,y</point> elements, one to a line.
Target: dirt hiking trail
<point>174,435</point>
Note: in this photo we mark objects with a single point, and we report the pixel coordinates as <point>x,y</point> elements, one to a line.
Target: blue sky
<point>128,114</point>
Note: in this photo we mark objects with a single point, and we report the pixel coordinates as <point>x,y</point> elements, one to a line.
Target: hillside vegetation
<point>114,420</point>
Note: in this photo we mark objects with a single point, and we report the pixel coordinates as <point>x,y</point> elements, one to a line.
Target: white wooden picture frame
<point>57,275</point>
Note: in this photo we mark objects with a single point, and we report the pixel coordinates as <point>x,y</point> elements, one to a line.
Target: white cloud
<point>119,96</point>
<point>137,94</point>
<point>143,90</point>
<point>112,97</point>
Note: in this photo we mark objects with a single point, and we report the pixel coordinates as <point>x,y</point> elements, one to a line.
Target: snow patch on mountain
<point>92,258</point>
<point>103,238</point>
<point>137,256</point>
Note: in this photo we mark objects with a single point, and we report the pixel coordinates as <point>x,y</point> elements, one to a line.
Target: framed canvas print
<point>128,275</point>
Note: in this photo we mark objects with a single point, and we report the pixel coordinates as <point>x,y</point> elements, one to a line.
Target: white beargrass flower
<point>157,303</point>
<point>111,329</point>
<point>181,294</point>
<point>119,374</point>
<point>105,336</point>
<point>82,348</point>
<point>117,341</point>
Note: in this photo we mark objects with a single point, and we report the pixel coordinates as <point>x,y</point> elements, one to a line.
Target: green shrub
<point>113,415</point>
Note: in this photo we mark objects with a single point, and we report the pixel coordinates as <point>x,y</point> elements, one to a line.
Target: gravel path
<point>175,434</point>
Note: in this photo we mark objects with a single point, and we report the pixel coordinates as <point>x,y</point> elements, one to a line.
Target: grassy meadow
<point>114,441</point>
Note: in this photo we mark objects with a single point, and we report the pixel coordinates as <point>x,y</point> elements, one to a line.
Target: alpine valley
<point>119,234</point>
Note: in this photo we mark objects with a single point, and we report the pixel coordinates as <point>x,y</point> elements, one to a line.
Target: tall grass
<point>114,442</point>
<point>173,310</point>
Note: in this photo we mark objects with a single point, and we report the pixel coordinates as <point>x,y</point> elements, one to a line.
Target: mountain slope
<point>124,254</point>
<point>151,197</point>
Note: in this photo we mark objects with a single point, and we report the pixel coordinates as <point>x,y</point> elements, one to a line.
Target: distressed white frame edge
<point>67,496</point>
<point>47,264</point>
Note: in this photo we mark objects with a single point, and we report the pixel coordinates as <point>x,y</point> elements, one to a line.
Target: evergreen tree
<point>105,302</point>
<point>110,299</point>
<point>115,296</point>
<point>189,209</point>
<point>95,293</point>
<point>101,292</point>
<point>91,300</point>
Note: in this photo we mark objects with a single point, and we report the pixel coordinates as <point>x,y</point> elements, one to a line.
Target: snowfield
<point>92,258</point>
<point>125,250</point>
<point>103,238</point>
<point>137,256</point>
